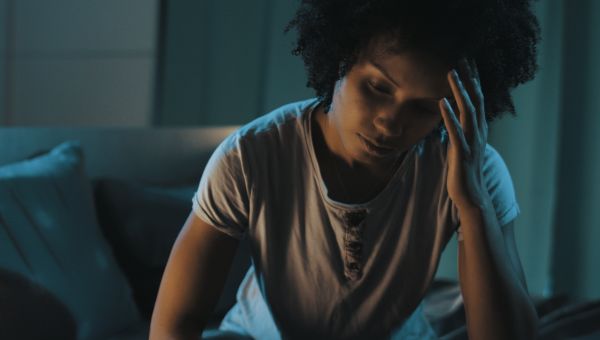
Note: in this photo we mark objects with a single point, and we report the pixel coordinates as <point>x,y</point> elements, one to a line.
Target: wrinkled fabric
<point>323,268</point>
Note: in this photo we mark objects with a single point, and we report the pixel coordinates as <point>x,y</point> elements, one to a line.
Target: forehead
<point>410,68</point>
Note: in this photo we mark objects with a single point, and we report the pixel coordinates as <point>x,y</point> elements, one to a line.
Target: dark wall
<point>227,62</point>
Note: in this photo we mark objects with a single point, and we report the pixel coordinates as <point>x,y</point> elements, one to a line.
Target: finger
<point>453,126</point>
<point>470,81</point>
<point>473,66</point>
<point>465,106</point>
<point>479,101</point>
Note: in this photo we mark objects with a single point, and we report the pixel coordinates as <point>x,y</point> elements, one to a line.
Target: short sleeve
<point>222,196</point>
<point>500,187</point>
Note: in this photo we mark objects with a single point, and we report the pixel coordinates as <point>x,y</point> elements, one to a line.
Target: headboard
<point>153,155</point>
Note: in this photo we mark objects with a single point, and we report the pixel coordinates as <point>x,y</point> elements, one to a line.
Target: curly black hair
<point>500,35</point>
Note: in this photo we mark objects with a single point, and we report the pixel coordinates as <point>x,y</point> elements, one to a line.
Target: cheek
<point>361,108</point>
<point>419,123</point>
<point>357,109</point>
<point>424,128</point>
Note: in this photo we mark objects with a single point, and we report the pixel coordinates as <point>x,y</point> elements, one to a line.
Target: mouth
<point>377,149</point>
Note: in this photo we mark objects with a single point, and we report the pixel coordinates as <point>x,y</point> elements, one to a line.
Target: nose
<point>389,122</point>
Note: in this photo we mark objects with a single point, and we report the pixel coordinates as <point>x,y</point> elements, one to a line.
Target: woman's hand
<point>468,138</point>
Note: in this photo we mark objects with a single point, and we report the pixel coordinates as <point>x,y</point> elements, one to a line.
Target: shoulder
<point>500,185</point>
<point>277,121</point>
<point>265,137</point>
<point>494,168</point>
<point>279,129</point>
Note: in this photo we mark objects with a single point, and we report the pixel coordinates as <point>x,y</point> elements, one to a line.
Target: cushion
<point>49,234</point>
<point>141,222</point>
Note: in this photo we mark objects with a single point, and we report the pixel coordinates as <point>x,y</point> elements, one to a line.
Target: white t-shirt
<point>327,269</point>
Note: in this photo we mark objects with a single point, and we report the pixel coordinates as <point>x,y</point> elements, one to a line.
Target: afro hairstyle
<point>500,35</point>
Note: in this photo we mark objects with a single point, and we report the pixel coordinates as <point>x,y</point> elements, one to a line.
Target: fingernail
<point>446,102</point>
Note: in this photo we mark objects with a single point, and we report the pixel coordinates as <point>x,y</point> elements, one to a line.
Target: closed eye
<point>379,89</point>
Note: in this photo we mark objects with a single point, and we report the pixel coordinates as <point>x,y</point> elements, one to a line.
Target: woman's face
<point>390,100</point>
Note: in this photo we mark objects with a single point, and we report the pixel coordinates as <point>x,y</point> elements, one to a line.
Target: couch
<point>88,217</point>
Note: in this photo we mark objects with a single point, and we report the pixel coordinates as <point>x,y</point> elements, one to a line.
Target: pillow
<point>141,223</point>
<point>49,234</point>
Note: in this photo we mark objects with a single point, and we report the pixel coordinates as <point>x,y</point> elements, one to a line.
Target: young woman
<point>348,199</point>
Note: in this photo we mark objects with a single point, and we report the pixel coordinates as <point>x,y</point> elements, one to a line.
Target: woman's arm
<point>193,280</point>
<point>497,303</point>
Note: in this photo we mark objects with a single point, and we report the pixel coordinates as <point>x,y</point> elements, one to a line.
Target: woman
<point>347,200</point>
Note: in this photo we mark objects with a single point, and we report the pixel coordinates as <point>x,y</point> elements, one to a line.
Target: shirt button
<point>353,266</point>
<point>353,271</point>
<point>355,246</point>
<point>354,218</point>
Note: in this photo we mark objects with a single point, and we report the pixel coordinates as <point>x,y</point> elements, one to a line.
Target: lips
<point>376,148</point>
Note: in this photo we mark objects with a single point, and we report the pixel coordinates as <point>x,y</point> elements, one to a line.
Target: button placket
<point>353,243</point>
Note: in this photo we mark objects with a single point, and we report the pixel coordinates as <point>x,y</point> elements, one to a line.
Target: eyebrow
<point>450,97</point>
<point>383,71</point>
